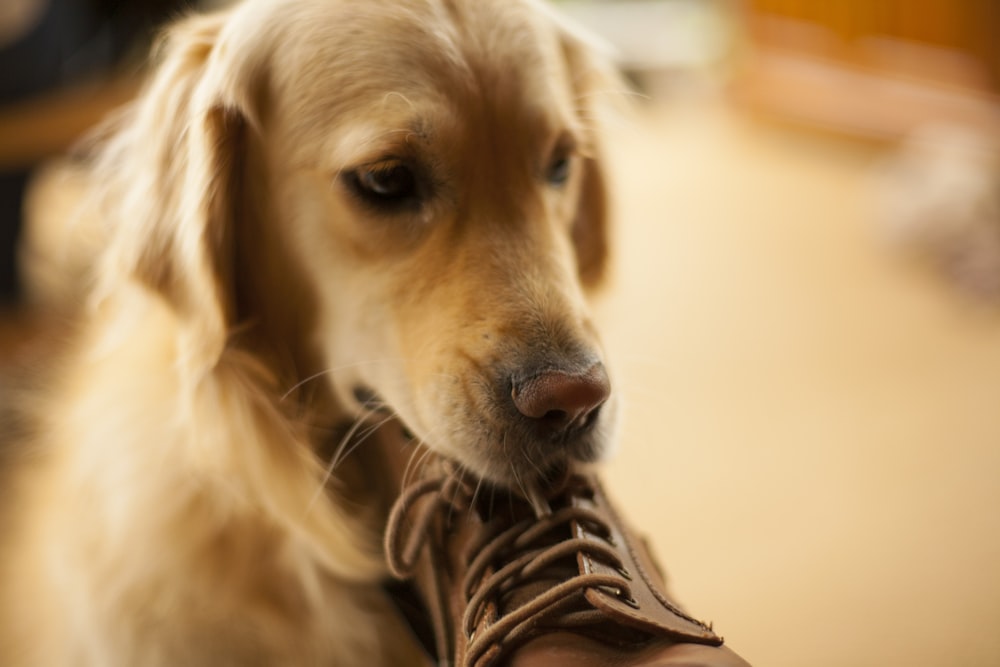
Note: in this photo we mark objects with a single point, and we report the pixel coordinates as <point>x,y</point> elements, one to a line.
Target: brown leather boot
<point>556,580</point>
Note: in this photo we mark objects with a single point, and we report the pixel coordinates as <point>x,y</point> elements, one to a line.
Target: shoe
<point>493,570</point>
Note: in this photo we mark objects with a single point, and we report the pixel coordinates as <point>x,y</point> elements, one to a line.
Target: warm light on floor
<point>812,424</point>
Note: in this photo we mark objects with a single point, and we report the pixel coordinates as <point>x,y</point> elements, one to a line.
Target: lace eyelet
<point>629,600</point>
<point>626,575</point>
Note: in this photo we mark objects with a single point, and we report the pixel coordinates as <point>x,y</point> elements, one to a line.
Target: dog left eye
<point>559,170</point>
<point>385,183</point>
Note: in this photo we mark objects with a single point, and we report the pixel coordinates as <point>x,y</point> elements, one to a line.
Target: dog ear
<point>590,227</point>
<point>596,86</point>
<point>177,157</point>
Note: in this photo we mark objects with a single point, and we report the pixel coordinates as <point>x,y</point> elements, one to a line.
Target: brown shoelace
<point>523,576</point>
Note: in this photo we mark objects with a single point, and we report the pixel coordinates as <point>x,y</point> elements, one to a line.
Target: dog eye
<point>385,183</point>
<point>558,172</point>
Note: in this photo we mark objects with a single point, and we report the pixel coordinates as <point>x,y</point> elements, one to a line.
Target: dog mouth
<point>528,443</point>
<point>372,403</point>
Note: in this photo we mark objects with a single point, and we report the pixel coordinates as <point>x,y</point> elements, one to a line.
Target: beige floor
<point>812,427</point>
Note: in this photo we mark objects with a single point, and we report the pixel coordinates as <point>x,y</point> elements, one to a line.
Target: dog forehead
<point>405,64</point>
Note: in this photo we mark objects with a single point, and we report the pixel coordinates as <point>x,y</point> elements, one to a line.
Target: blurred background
<point>803,309</point>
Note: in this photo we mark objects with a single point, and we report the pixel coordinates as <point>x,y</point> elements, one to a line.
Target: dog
<point>316,213</point>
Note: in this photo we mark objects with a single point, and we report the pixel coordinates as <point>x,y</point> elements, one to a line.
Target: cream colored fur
<point>173,504</point>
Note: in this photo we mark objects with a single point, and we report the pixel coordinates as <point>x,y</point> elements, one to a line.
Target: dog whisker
<point>348,445</point>
<point>514,471</point>
<point>517,479</point>
<point>412,466</point>
<point>493,497</point>
<point>416,460</point>
<point>328,472</point>
<point>338,368</point>
<point>410,473</point>
<point>534,464</point>
<point>459,474</point>
<point>475,494</point>
<point>356,442</point>
<point>373,405</point>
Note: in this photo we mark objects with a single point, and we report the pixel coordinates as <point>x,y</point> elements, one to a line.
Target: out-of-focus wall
<point>965,27</point>
<point>873,69</point>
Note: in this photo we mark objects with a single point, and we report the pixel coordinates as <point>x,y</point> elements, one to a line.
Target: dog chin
<point>523,464</point>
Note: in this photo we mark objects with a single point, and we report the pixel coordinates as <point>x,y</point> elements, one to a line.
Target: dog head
<point>404,199</point>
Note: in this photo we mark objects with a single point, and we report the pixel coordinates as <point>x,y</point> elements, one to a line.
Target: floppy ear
<point>590,227</point>
<point>595,84</point>
<point>177,157</point>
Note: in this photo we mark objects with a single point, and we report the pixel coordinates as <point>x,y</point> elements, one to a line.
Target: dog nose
<point>560,399</point>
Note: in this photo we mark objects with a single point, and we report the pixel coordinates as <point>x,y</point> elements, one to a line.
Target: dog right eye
<point>389,183</point>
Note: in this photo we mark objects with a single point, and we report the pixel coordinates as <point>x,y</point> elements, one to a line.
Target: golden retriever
<point>316,213</point>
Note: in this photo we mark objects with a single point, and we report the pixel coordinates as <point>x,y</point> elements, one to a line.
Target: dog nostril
<point>555,416</point>
<point>561,399</point>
